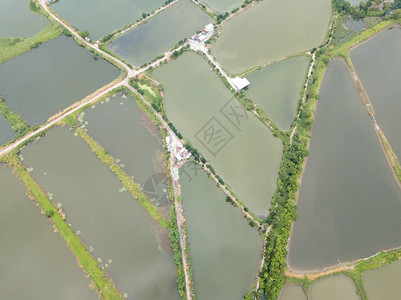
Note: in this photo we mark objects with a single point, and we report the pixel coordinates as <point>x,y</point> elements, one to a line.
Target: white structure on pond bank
<point>239,83</point>
<point>205,34</point>
<point>180,152</point>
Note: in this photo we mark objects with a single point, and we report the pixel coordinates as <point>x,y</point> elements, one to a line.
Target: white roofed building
<point>209,27</point>
<point>240,83</point>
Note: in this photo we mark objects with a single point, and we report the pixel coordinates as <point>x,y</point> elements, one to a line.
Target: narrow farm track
<point>232,197</point>
<point>331,34</point>
<point>54,121</point>
<point>177,192</point>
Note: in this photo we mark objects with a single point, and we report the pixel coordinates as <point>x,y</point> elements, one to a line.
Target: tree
<point>84,34</point>
<point>396,14</point>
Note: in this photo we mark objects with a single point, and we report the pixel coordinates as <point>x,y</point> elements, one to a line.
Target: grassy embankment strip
<point>132,187</point>
<point>11,47</point>
<point>354,270</point>
<point>174,236</point>
<point>390,154</point>
<point>15,120</point>
<point>84,258</point>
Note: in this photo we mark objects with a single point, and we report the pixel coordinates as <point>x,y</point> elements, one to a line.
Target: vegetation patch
<point>355,271</point>
<point>174,236</point>
<point>15,120</point>
<point>11,47</point>
<point>390,154</point>
<point>371,8</point>
<point>151,91</point>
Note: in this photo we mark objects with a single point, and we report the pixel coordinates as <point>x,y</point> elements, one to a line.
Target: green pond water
<point>292,292</point>
<point>17,20</point>
<point>240,148</point>
<point>222,6</point>
<point>6,132</point>
<point>134,140</point>
<point>379,67</point>
<point>276,89</point>
<point>349,203</point>
<point>101,17</point>
<point>225,251</point>
<point>384,283</point>
<point>334,288</point>
<point>122,235</point>
<point>41,82</point>
<point>159,34</point>
<point>271,30</point>
<point>35,260</point>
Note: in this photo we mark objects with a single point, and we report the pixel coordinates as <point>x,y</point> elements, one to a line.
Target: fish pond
<point>384,283</point>
<point>240,148</point>
<point>271,30</point>
<point>349,202</point>
<point>18,20</point>
<point>44,81</point>
<point>32,254</point>
<point>379,68</point>
<point>222,6</point>
<point>116,229</point>
<point>225,250</point>
<point>292,292</point>
<point>6,132</point>
<point>276,89</point>
<point>159,34</point>
<point>334,288</point>
<point>134,140</point>
<point>101,17</point>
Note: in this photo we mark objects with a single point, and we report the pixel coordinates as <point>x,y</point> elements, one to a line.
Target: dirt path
<point>54,121</point>
<point>177,192</point>
<point>391,157</point>
<point>318,275</point>
<point>228,193</point>
<point>331,34</point>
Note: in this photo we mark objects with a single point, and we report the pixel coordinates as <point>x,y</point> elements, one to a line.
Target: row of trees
<point>174,236</point>
<point>283,209</point>
<point>220,18</point>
